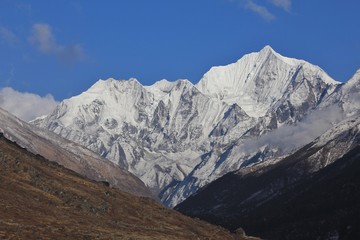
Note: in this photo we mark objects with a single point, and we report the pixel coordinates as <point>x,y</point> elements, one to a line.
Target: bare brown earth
<point>40,199</point>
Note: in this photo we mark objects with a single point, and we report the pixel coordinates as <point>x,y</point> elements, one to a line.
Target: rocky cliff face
<point>177,137</point>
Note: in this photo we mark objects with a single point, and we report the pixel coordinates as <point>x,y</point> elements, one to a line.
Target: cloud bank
<point>290,137</point>
<point>43,39</point>
<point>26,106</point>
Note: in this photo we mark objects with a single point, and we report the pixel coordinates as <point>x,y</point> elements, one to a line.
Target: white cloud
<point>290,137</point>
<point>43,39</point>
<point>26,106</point>
<point>7,36</point>
<point>284,4</point>
<point>260,10</point>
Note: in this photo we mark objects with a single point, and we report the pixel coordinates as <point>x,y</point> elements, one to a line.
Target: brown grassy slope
<point>40,199</point>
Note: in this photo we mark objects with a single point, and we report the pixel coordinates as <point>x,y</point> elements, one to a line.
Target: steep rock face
<point>175,136</point>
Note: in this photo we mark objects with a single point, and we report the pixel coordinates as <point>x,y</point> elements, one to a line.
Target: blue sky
<point>57,49</point>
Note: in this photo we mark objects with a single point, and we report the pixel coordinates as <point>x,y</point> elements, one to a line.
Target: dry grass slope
<point>40,199</point>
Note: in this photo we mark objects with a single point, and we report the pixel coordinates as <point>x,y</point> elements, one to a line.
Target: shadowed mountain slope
<point>312,194</point>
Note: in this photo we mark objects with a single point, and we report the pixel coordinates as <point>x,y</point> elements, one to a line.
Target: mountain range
<point>177,136</point>
<point>250,146</point>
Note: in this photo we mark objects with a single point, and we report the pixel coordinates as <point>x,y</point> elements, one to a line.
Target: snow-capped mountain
<point>177,137</point>
<point>70,155</point>
<point>145,130</point>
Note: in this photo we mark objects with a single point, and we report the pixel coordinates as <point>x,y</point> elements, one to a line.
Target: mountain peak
<point>163,87</point>
<point>353,85</point>
<point>259,79</point>
<point>268,49</point>
<point>103,85</point>
<point>134,80</point>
